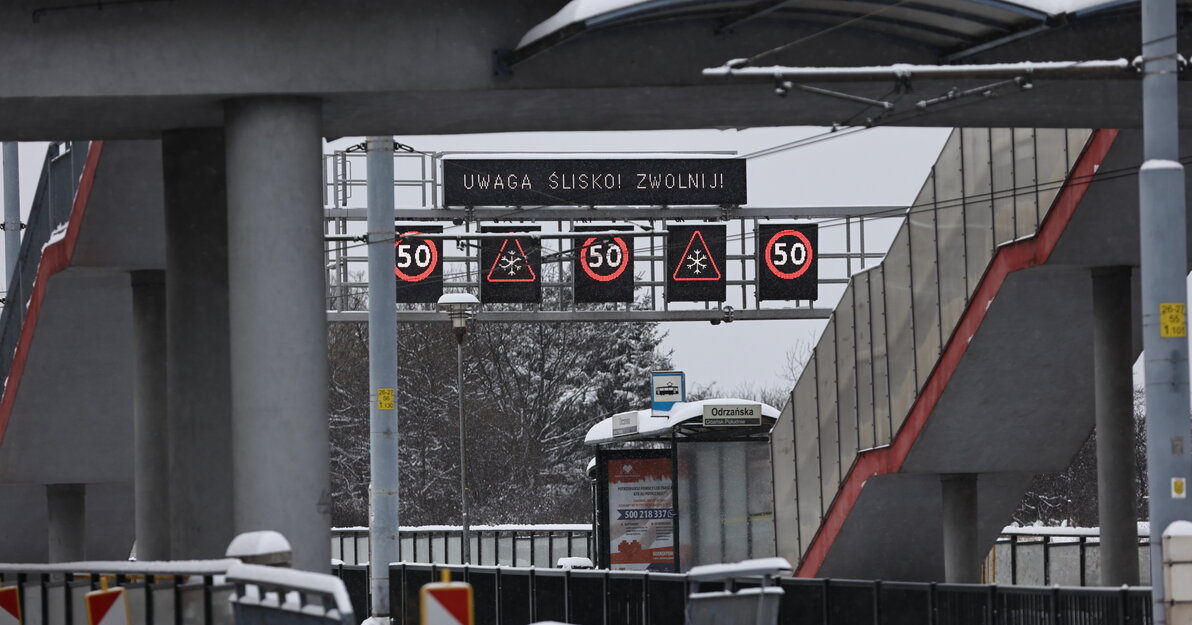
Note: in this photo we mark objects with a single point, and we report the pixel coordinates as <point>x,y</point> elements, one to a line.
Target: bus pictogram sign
<point>786,264</point>
<point>417,265</point>
<point>603,269</point>
<point>512,268</point>
<point>694,258</point>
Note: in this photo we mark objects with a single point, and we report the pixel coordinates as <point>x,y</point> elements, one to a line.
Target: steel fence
<point>494,545</point>
<point>516,596</point>
<point>199,592</point>
<point>1070,557</point>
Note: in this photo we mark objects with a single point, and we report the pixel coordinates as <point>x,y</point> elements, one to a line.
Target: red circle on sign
<point>806,263</point>
<point>583,255</point>
<point>434,259</point>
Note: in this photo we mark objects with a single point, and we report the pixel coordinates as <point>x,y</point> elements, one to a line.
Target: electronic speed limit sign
<point>786,262</point>
<point>603,270</point>
<point>418,265</point>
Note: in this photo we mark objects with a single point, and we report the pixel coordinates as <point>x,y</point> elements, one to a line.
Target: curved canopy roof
<point>956,28</point>
<point>688,415</point>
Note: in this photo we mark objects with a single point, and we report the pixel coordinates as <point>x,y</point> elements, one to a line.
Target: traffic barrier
<point>516,596</point>
<point>107,606</point>
<point>10,605</point>
<point>446,602</point>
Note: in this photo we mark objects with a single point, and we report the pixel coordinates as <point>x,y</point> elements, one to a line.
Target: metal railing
<point>51,207</point>
<point>495,545</point>
<point>988,187</point>
<point>505,596</point>
<point>199,592</point>
<point>1048,556</point>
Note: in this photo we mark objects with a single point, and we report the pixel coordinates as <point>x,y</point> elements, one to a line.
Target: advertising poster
<point>640,511</point>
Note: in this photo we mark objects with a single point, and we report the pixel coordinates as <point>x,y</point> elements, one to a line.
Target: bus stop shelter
<point>700,471</point>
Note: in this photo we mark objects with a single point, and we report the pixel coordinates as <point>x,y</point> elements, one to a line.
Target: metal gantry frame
<point>846,246</point>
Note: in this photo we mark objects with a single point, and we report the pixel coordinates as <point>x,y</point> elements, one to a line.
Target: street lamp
<point>460,307</point>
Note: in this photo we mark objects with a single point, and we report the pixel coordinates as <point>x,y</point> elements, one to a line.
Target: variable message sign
<point>510,267</point>
<point>418,265</point>
<point>603,266</point>
<point>786,262</point>
<point>695,257</point>
<point>593,182</point>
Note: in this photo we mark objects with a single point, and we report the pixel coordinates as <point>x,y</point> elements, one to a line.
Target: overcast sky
<point>882,166</point>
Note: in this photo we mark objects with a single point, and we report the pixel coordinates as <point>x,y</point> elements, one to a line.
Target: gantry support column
<point>962,558</point>
<point>277,314</point>
<point>150,432</point>
<point>1113,375</point>
<point>200,405</point>
<point>67,522</point>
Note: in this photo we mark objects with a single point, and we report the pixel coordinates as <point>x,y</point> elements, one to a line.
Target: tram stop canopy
<point>700,471</point>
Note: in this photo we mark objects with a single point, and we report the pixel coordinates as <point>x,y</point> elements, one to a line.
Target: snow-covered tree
<point>1070,497</point>
<point>531,391</point>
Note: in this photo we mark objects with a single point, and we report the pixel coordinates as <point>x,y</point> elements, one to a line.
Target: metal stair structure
<point>968,350</point>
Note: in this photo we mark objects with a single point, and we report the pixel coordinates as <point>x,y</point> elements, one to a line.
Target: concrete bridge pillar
<point>150,432</point>
<point>66,505</point>
<point>277,316</point>
<point>1113,375</point>
<point>962,556</point>
<point>200,405</point>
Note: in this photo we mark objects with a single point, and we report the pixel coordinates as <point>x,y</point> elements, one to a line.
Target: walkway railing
<point>51,206</point>
<point>494,545</point>
<point>505,596</point>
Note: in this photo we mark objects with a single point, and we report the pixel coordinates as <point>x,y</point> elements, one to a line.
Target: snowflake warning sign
<point>511,267</point>
<point>695,261</point>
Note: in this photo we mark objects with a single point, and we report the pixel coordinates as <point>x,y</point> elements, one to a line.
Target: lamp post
<point>460,307</point>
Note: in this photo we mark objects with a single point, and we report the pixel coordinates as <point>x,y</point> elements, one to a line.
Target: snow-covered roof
<point>649,426</point>
<point>951,24</point>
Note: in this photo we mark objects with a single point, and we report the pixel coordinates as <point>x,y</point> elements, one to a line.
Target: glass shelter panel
<point>1026,179</point>
<point>726,514</point>
<point>950,238</point>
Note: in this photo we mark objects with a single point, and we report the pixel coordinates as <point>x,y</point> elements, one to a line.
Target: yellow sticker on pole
<point>1179,488</point>
<point>385,399</point>
<point>1173,321</point>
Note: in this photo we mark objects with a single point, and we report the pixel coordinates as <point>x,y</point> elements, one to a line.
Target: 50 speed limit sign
<point>786,262</point>
<point>418,266</point>
<point>603,269</point>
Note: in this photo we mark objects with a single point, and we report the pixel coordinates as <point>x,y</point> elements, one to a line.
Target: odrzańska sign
<point>593,182</point>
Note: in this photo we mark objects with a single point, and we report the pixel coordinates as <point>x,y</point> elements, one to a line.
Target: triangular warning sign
<point>512,264</point>
<point>10,606</point>
<point>697,264</point>
<point>102,608</point>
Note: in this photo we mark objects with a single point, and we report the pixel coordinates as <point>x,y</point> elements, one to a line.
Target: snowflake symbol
<point>511,262</point>
<point>697,261</point>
